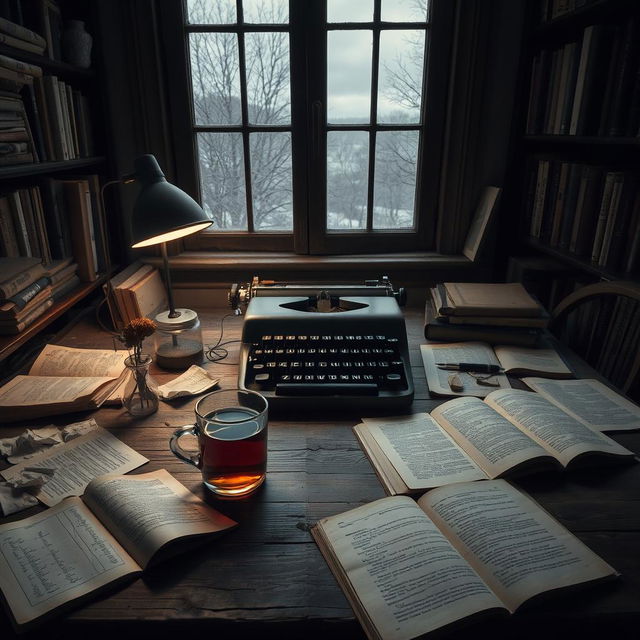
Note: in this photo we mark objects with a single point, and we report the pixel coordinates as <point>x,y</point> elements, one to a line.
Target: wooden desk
<point>267,579</point>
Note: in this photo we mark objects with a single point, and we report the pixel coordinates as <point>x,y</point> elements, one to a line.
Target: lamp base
<point>178,340</point>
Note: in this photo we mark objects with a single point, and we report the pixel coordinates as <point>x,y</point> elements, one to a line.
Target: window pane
<point>395,180</point>
<point>215,78</point>
<point>351,11</point>
<point>404,10</point>
<point>348,76</point>
<point>401,64</point>
<point>211,12</point>
<point>266,11</point>
<point>347,170</point>
<point>267,56</point>
<point>271,181</point>
<point>222,180</point>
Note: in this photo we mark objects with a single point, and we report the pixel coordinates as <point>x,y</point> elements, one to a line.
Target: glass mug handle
<point>190,457</point>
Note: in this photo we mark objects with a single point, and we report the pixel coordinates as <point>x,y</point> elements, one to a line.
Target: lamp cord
<point>217,351</point>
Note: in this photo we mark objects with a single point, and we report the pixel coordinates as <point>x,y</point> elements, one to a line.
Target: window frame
<point>309,129</point>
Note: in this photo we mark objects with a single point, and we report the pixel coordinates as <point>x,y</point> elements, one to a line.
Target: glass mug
<point>231,427</point>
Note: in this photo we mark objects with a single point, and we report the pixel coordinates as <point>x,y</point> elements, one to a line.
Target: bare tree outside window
<point>255,193</point>
<point>217,97</point>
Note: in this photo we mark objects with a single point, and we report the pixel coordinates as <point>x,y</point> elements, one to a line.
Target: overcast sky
<point>349,53</point>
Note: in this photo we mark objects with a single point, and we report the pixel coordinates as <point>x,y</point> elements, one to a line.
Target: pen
<point>469,366</point>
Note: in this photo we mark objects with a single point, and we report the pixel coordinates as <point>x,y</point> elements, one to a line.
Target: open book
<point>119,527</point>
<point>515,361</point>
<point>460,552</point>
<point>62,380</point>
<point>511,431</point>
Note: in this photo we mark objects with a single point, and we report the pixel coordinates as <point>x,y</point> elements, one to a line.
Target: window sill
<point>194,270</point>
<point>218,261</point>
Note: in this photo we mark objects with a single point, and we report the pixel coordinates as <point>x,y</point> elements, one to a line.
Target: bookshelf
<point>71,146</point>
<point>576,179</point>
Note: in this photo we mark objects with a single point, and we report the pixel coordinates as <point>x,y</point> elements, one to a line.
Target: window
<point>312,125</point>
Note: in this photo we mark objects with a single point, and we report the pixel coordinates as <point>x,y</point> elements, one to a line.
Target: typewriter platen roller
<point>324,346</point>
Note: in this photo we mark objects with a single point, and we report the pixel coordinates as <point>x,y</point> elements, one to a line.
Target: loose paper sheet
<point>476,352</point>
<point>193,381</point>
<point>78,462</point>
<point>33,442</point>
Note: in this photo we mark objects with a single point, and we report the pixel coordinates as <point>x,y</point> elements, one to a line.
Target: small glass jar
<point>141,390</point>
<point>178,341</point>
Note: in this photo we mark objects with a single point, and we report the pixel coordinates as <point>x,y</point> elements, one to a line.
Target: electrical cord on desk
<point>217,352</point>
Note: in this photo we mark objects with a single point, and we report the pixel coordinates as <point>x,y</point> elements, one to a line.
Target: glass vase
<point>141,390</point>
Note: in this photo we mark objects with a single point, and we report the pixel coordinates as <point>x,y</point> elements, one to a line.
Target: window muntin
<point>388,129</point>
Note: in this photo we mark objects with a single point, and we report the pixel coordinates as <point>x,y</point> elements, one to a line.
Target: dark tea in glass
<point>231,427</point>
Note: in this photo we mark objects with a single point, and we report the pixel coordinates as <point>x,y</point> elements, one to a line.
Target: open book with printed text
<point>461,552</point>
<point>511,432</point>
<point>62,380</point>
<point>120,526</point>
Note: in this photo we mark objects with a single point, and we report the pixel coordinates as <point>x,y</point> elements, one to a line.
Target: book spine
<point>43,114</point>
<point>80,229</point>
<point>18,65</point>
<point>587,38</point>
<point>7,230</point>
<point>14,328</point>
<point>611,221</point>
<point>55,116</point>
<point>17,43</point>
<point>22,33</point>
<point>21,298</point>
<point>20,225</point>
<point>602,217</point>
<point>33,117</point>
<point>21,280</point>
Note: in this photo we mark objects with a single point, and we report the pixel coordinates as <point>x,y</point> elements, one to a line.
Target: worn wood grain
<point>267,578</point>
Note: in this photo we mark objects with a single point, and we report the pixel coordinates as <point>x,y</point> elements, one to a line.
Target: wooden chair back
<point>601,323</point>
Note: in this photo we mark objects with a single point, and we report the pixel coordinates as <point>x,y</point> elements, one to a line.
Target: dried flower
<point>134,333</point>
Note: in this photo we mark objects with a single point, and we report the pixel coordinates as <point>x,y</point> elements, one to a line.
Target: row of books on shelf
<point>586,210</point>
<point>29,288</point>
<point>32,25</point>
<point>50,119</point>
<point>588,87</point>
<point>56,220</point>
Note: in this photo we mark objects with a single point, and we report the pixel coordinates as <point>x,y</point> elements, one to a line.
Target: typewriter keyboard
<point>317,365</point>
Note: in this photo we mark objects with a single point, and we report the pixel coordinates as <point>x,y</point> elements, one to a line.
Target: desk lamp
<point>162,213</point>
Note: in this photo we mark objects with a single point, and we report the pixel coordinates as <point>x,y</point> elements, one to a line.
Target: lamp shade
<point>162,212</point>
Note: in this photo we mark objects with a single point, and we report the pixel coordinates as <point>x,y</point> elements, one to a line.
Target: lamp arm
<point>167,275</point>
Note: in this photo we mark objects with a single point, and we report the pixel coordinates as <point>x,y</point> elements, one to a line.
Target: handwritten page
<point>476,352</point>
<point>56,556</point>
<point>55,360</point>
<point>193,381</point>
<point>78,462</point>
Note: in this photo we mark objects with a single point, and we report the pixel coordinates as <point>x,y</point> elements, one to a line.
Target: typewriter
<point>329,346</point>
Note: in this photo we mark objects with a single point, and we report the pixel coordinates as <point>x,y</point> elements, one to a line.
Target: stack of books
<point>497,313</point>
<point>18,37</point>
<point>29,288</point>
<point>137,291</point>
<point>25,293</point>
